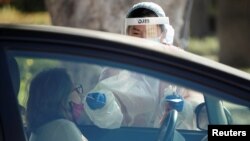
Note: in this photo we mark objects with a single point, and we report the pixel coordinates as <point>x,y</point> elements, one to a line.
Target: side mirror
<point>202,120</point>
<point>228,116</point>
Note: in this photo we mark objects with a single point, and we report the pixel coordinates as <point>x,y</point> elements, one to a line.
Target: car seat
<point>58,130</point>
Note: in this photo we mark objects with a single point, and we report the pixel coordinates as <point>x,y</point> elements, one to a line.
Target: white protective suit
<point>138,99</point>
<point>137,95</point>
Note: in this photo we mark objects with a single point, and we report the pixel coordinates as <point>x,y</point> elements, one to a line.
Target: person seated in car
<point>49,107</point>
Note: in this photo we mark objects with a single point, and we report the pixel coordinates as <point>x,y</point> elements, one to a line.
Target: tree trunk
<point>199,24</point>
<point>234,32</point>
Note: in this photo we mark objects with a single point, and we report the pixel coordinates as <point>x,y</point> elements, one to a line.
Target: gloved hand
<point>173,99</point>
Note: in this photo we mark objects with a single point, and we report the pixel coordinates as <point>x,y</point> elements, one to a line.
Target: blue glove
<point>96,100</point>
<point>175,101</point>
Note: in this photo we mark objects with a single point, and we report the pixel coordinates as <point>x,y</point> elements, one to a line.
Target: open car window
<point>237,114</point>
<point>141,99</point>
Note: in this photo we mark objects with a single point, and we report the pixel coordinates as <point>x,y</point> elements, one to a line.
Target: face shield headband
<point>153,28</point>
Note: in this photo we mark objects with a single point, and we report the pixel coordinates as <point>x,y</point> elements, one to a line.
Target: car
<point>218,94</point>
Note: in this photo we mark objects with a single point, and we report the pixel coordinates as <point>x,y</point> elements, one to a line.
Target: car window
<point>140,97</point>
<point>237,114</point>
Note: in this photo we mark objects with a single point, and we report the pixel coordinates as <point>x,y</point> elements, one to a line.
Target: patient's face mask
<point>75,102</point>
<point>152,28</point>
<point>77,110</point>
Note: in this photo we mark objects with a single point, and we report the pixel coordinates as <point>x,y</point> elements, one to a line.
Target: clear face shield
<point>152,28</point>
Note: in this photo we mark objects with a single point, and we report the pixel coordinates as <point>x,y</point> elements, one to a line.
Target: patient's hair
<point>48,97</point>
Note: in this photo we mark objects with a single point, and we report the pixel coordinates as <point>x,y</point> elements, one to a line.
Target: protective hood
<point>143,27</point>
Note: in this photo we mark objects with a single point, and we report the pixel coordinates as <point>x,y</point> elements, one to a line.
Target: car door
<point>85,53</point>
<point>11,127</point>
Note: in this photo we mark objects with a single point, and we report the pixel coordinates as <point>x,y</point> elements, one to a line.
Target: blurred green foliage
<point>28,69</point>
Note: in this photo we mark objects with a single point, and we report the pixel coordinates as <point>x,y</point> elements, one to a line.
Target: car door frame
<point>10,121</point>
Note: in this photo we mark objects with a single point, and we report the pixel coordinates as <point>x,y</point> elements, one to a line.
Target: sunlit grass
<point>207,47</point>
<point>9,14</point>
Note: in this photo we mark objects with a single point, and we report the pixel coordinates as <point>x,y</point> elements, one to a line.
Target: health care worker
<point>148,20</point>
<point>135,98</point>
